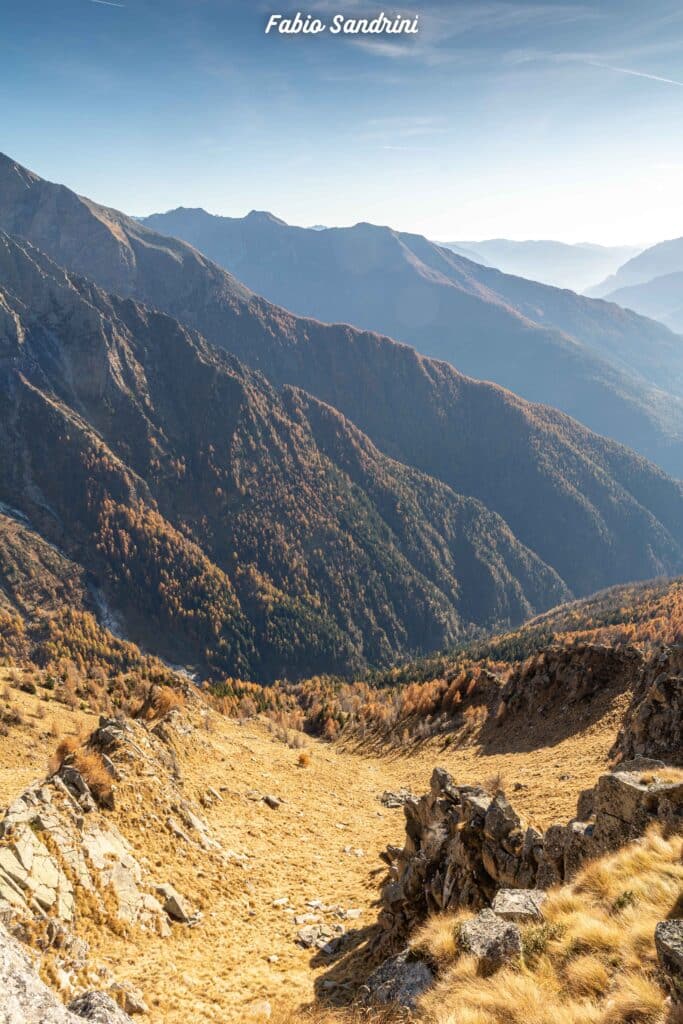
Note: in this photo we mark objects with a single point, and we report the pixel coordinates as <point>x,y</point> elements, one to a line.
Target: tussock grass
<point>592,961</point>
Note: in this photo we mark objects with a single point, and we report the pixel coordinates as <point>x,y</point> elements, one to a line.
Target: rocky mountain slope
<point>537,469</point>
<point>617,372</point>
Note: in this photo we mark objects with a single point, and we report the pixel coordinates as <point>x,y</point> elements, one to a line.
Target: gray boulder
<point>174,904</point>
<point>669,945</point>
<point>98,1007</point>
<point>400,980</point>
<point>491,940</point>
<point>519,905</point>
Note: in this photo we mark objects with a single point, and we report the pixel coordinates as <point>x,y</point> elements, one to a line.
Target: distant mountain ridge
<point>574,511</point>
<point>650,283</point>
<point>618,373</point>
<point>564,265</point>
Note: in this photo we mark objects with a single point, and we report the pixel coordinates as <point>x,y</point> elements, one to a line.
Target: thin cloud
<point>107,3</point>
<point>630,71</point>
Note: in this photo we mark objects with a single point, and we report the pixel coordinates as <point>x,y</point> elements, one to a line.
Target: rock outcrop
<point>653,724</point>
<point>570,675</point>
<point>464,846</point>
<point>400,980</point>
<point>27,1000</point>
<point>64,853</point>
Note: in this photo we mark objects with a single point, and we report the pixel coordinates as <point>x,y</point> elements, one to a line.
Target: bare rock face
<point>653,725</point>
<point>26,1000</point>
<point>463,847</point>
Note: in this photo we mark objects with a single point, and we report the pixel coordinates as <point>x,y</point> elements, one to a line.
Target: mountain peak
<point>264,217</point>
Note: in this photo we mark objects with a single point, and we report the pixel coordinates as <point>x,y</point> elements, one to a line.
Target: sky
<point>499,119</point>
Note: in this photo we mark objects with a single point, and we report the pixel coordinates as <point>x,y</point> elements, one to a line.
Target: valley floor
<point>321,843</point>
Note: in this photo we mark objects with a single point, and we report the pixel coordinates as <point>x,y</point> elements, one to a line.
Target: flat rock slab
<point>519,905</point>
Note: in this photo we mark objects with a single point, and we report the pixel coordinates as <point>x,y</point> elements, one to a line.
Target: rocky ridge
<point>64,861</point>
<point>463,845</point>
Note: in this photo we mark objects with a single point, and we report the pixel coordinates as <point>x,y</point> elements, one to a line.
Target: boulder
<point>175,905</point>
<point>491,940</point>
<point>25,999</point>
<point>519,905</point>
<point>400,980</point>
<point>99,1008</point>
<point>669,945</point>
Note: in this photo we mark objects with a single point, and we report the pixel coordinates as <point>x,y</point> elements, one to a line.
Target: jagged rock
<point>321,936</point>
<point>462,846</point>
<point>130,998</point>
<point>99,1008</point>
<point>24,999</point>
<point>492,941</point>
<point>174,904</point>
<point>669,945</point>
<point>653,724</point>
<point>398,798</point>
<point>400,980</point>
<point>519,905</point>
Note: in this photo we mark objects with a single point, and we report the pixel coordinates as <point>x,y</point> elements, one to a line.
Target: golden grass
<point>166,699</point>
<point>593,960</point>
<point>88,762</point>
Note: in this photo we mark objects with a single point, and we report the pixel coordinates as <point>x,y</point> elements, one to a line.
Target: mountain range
<point>575,266</point>
<point>650,283</point>
<point>619,373</point>
<point>265,494</point>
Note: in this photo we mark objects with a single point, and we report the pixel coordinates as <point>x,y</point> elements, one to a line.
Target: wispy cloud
<point>631,71</point>
<point>107,3</point>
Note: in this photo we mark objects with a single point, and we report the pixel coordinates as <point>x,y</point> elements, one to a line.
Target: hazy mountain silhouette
<point>657,261</point>
<point>661,298</point>
<point>619,373</point>
<point>574,266</point>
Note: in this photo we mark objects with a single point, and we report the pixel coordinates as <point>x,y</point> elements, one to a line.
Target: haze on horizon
<point>501,119</point>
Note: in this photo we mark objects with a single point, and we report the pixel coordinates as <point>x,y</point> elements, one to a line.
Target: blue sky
<point>500,118</point>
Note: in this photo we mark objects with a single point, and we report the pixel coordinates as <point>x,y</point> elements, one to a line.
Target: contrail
<point>107,3</point>
<point>629,71</point>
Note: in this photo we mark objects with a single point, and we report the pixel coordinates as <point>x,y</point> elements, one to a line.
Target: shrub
<point>91,766</point>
